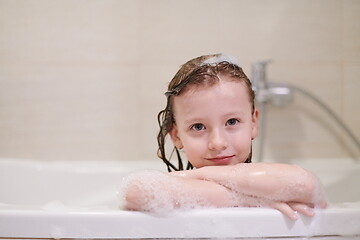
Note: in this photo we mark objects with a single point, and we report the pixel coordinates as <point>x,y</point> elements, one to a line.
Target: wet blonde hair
<point>201,71</point>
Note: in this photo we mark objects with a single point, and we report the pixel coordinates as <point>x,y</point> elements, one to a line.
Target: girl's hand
<point>291,209</point>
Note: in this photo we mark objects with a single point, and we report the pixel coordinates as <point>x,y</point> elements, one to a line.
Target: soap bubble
<point>157,192</point>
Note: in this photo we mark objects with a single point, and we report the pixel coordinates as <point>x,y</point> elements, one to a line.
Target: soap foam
<point>160,192</point>
<point>319,196</point>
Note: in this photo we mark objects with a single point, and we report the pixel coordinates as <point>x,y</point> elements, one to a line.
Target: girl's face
<point>214,125</point>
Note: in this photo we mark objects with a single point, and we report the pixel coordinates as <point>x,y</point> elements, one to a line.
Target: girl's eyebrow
<point>193,120</point>
<point>235,113</point>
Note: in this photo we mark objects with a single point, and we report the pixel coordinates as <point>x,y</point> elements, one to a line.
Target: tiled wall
<point>84,79</point>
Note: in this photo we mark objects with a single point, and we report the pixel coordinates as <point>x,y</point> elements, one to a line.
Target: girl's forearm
<point>160,192</point>
<point>278,182</point>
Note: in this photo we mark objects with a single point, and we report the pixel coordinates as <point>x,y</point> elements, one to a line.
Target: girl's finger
<point>285,209</point>
<point>303,209</point>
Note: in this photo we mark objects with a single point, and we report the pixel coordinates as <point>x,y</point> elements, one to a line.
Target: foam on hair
<point>221,58</point>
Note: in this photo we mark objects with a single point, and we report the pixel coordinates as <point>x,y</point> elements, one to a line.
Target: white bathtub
<point>78,200</point>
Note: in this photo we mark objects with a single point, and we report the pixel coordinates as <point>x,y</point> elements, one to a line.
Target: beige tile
<point>207,27</point>
<point>68,32</point>
<point>351,30</point>
<point>283,30</point>
<point>69,113</point>
<point>154,80</point>
<point>304,32</point>
<point>352,99</point>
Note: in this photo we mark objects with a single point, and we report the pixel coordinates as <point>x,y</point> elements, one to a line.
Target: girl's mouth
<point>221,160</point>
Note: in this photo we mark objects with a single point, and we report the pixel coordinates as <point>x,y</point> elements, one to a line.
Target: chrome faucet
<point>259,80</point>
<point>280,95</point>
<point>260,87</point>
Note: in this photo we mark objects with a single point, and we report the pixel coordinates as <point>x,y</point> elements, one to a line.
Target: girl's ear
<point>174,134</point>
<point>255,124</point>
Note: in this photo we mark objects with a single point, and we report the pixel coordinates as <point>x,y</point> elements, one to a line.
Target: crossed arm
<point>287,188</point>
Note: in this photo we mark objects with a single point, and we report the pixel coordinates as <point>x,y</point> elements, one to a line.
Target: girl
<point>210,115</point>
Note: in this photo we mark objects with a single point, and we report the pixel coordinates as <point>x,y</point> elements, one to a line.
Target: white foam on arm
<point>157,192</point>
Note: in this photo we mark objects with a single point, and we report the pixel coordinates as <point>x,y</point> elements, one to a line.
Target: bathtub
<point>79,200</point>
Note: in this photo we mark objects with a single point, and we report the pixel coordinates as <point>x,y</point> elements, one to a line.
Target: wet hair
<point>199,72</point>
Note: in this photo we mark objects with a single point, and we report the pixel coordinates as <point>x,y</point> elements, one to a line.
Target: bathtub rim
<point>219,223</point>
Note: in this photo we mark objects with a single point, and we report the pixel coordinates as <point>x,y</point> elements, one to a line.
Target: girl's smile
<point>221,160</point>
<point>215,124</point>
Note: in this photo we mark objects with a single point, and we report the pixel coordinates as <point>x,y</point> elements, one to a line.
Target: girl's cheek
<point>190,139</point>
<point>241,145</point>
<point>194,148</point>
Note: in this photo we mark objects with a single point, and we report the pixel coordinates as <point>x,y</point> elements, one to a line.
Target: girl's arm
<point>158,192</point>
<point>273,181</point>
<point>286,188</point>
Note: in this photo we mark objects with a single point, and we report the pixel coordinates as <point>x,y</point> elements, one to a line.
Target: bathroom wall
<point>84,79</point>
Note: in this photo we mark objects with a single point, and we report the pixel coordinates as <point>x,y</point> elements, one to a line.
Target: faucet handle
<point>258,76</point>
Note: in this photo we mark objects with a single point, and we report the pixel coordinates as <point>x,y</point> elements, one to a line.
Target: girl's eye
<point>232,122</point>
<point>198,127</point>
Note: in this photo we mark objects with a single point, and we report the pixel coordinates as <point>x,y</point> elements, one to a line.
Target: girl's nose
<point>217,141</point>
